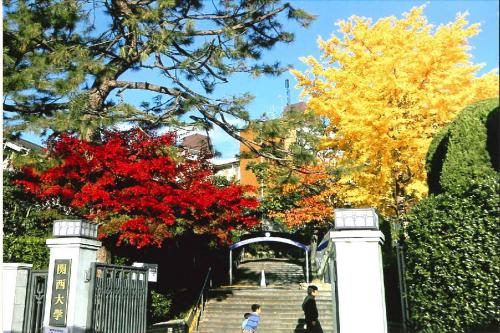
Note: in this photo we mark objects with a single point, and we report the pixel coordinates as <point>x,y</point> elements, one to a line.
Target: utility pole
<point>287,86</point>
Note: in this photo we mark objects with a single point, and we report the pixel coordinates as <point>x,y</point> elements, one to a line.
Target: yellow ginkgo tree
<point>387,88</point>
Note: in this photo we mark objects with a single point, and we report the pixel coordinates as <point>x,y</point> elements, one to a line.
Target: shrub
<point>453,270</point>
<point>27,223</point>
<point>26,249</point>
<point>463,151</point>
<point>452,237</point>
<point>160,306</point>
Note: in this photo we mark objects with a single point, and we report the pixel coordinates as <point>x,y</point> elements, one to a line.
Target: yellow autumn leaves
<point>386,89</point>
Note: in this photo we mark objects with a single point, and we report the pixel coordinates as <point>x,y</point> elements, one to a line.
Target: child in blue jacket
<point>253,320</point>
<point>245,320</point>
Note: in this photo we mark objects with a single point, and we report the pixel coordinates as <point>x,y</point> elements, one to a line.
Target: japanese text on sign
<point>60,291</point>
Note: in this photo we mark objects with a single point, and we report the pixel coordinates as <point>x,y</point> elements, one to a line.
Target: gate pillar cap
<point>356,219</point>
<point>75,228</point>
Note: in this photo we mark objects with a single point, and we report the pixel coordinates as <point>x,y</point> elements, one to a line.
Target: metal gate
<point>119,299</point>
<point>35,302</point>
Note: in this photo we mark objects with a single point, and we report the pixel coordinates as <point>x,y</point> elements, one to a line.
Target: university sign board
<point>60,292</point>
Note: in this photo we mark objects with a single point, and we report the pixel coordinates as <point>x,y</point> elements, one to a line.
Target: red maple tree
<point>139,186</point>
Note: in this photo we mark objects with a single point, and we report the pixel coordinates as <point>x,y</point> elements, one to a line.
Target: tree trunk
<point>104,255</point>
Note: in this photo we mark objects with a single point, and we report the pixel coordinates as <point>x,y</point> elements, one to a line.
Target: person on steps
<point>311,310</point>
<point>245,320</point>
<point>253,320</point>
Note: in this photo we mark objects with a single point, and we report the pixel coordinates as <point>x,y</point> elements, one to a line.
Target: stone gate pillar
<point>72,251</point>
<point>14,284</point>
<point>359,271</point>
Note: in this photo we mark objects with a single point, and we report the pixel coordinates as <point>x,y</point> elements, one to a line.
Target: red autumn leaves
<point>138,186</point>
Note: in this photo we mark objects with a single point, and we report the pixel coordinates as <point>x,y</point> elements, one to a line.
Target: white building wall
<point>228,168</point>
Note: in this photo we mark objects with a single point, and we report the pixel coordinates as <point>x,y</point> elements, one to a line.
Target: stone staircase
<point>278,272</point>
<point>281,300</point>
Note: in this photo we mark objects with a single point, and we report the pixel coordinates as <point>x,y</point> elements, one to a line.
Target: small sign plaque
<point>50,329</point>
<point>60,292</point>
<point>152,270</point>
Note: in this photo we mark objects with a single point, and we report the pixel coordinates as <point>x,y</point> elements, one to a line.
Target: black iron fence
<point>119,299</point>
<point>35,302</point>
<point>402,285</point>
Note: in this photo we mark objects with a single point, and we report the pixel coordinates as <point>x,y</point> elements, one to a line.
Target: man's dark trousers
<point>316,328</point>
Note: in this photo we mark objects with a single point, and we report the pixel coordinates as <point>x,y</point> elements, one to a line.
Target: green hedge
<point>453,266</point>
<point>452,237</point>
<point>462,152</point>
<point>26,249</point>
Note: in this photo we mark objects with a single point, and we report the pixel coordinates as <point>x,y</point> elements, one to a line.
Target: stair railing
<point>198,310</point>
<point>323,259</point>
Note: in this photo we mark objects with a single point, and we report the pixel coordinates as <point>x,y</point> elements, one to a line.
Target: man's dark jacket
<point>310,309</point>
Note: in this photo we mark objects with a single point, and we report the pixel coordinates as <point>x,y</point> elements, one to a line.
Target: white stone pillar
<point>360,281</point>
<point>82,253</point>
<point>14,285</point>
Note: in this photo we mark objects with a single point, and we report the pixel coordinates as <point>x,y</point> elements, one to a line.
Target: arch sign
<point>267,239</point>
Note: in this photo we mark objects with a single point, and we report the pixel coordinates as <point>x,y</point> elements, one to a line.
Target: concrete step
<point>247,291</point>
<point>281,323</point>
<point>277,272</point>
<point>281,301</point>
<point>299,328</point>
<point>261,328</point>
<point>279,308</point>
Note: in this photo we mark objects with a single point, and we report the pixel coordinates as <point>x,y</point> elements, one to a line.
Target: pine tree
<point>68,63</point>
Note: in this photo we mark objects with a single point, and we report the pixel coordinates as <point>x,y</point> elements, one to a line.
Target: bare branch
<point>240,25</point>
<point>148,86</point>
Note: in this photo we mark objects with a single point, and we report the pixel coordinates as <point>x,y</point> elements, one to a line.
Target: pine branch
<point>46,109</point>
<point>240,25</point>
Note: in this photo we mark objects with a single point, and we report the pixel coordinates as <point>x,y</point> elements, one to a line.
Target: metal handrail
<point>199,308</point>
<point>322,260</point>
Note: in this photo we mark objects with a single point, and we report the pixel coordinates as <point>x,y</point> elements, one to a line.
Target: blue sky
<point>270,93</point>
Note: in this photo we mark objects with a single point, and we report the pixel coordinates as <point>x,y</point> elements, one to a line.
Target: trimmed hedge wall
<point>463,151</point>
<point>453,267</point>
<point>453,237</point>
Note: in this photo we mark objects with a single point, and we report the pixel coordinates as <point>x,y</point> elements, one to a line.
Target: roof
<point>224,163</point>
<point>197,142</point>
<point>300,106</point>
<point>21,143</point>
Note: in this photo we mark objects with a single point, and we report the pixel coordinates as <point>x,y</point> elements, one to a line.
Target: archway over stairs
<point>267,238</point>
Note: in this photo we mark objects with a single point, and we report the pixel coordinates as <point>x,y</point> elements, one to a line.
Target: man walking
<point>253,320</point>
<point>311,310</point>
